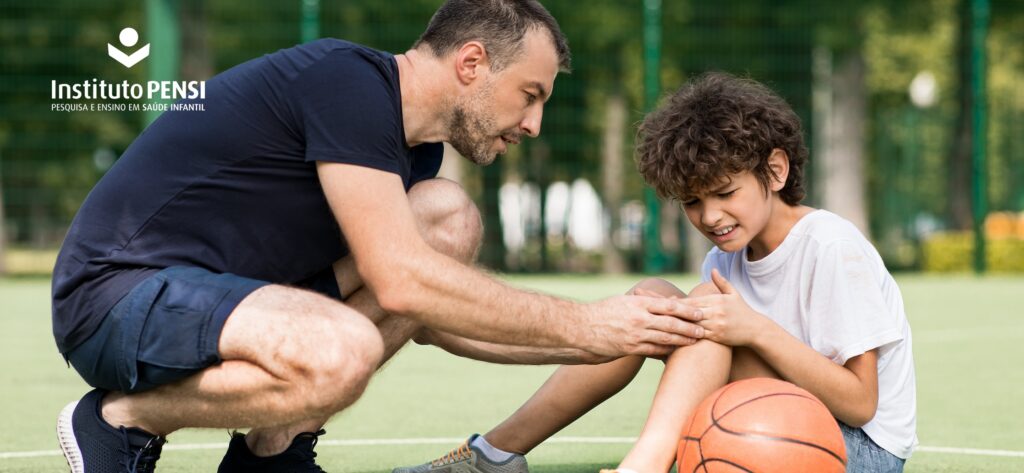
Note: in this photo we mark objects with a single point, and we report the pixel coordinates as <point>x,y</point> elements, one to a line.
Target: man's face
<point>506,105</point>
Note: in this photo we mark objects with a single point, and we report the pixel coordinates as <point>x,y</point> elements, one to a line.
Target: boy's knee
<point>704,289</point>
<point>448,219</point>
<point>658,286</point>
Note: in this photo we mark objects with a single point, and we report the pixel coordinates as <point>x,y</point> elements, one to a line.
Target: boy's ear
<point>778,162</point>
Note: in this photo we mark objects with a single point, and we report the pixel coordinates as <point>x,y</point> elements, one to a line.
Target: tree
<point>612,179</point>
<point>841,155</point>
<point>959,203</point>
<point>3,230</point>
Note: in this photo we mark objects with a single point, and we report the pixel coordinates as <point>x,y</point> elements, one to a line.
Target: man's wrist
<point>573,336</point>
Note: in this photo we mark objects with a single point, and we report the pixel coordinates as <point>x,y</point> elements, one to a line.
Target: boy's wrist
<point>765,335</point>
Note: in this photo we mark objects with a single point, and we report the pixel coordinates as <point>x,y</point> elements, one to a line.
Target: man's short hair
<point>499,25</point>
<point>716,125</point>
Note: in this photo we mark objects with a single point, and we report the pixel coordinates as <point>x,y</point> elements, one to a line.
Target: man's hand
<point>727,318</point>
<point>640,325</point>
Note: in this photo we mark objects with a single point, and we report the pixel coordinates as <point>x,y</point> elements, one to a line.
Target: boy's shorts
<point>168,327</point>
<point>863,455</point>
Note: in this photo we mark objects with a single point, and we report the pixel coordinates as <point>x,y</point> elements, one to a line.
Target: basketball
<point>761,425</point>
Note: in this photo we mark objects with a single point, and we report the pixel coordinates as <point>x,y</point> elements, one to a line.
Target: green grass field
<point>968,344</point>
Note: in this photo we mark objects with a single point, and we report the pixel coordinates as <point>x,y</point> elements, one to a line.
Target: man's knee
<point>447,218</point>
<point>318,353</point>
<point>323,352</point>
<point>348,353</point>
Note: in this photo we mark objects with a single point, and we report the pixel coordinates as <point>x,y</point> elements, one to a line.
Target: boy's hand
<point>727,319</point>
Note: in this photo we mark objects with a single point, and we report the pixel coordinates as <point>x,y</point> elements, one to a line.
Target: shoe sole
<point>68,442</point>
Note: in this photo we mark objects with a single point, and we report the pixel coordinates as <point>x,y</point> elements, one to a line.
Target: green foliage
<point>1006,101</point>
<point>48,159</point>
<point>953,252</point>
<point>48,156</point>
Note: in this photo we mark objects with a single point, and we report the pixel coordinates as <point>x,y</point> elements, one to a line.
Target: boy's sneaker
<point>469,459</point>
<point>91,445</point>
<point>298,458</point>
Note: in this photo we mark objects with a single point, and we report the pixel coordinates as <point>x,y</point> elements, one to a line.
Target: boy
<point>789,292</point>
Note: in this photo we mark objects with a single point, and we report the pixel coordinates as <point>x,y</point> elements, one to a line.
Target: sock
<point>492,453</point>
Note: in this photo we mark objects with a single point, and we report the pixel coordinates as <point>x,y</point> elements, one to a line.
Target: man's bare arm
<point>411,279</point>
<point>508,354</point>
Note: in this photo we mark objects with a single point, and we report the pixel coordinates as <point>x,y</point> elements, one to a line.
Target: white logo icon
<point>128,38</point>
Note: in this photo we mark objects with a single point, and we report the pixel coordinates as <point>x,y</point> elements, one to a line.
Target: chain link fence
<point>571,200</point>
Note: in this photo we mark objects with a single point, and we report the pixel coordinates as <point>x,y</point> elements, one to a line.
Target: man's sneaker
<point>468,459</point>
<point>299,457</point>
<point>91,445</point>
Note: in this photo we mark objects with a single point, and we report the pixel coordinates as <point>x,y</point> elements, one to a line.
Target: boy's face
<point>732,213</point>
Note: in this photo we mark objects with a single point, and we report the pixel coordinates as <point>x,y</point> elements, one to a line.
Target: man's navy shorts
<point>167,328</point>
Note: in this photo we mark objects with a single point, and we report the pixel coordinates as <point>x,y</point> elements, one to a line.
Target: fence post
<point>165,36</point>
<point>309,27</point>
<point>979,168</point>
<point>654,258</point>
<point>3,230</point>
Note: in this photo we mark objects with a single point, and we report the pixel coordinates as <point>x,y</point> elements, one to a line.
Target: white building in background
<point>572,210</point>
<point>519,205</point>
<point>587,226</point>
<point>556,210</point>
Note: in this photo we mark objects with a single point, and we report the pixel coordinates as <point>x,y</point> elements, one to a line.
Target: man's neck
<point>423,104</point>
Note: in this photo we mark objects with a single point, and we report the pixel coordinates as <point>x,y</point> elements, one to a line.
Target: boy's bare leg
<point>450,223</point>
<point>570,392</point>
<point>691,374</point>
<point>747,364</point>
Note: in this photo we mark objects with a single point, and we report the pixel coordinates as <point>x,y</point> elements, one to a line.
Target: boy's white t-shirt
<point>827,286</point>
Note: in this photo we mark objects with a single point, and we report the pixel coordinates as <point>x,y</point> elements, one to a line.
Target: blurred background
<point>913,111</point>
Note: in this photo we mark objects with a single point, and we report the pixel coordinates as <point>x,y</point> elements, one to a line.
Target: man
<point>252,265</point>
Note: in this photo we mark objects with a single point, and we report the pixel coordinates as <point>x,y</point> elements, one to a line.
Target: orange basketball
<point>761,425</point>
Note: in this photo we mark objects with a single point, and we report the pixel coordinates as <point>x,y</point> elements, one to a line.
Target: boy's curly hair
<point>717,125</point>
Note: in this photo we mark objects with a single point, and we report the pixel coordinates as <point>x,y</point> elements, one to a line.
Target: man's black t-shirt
<point>234,188</point>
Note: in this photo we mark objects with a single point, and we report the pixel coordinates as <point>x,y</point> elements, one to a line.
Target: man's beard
<point>469,126</point>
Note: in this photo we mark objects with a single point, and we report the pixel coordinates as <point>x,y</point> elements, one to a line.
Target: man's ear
<point>471,61</point>
<point>778,162</point>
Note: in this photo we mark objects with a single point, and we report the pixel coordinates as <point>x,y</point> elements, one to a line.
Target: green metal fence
<point>915,160</point>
